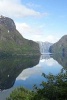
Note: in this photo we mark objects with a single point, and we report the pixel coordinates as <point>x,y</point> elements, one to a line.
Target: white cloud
<point>14,8</point>
<point>35,33</point>
<point>30,4</point>
<point>26,73</point>
<point>23,28</point>
<point>27,31</point>
<point>49,62</point>
<point>52,38</point>
<point>49,38</point>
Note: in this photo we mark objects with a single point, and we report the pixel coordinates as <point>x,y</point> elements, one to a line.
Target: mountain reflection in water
<point>33,75</point>
<point>27,70</point>
<point>11,67</point>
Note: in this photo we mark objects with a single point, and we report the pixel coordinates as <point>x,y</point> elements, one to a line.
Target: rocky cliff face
<point>11,40</point>
<point>8,23</point>
<point>60,46</point>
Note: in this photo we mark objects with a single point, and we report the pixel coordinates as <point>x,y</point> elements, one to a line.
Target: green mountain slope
<point>11,41</point>
<point>60,46</point>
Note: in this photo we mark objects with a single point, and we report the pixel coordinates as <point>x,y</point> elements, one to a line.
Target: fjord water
<point>27,70</point>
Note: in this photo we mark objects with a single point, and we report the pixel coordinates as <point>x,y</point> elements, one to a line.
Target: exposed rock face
<point>60,46</point>
<point>44,47</point>
<point>11,41</point>
<point>8,23</point>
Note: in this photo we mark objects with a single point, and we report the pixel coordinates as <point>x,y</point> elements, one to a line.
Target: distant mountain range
<point>12,42</point>
<point>44,47</point>
<point>60,46</point>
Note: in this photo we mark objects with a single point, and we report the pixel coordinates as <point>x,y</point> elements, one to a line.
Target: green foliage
<point>54,89</point>
<point>20,94</point>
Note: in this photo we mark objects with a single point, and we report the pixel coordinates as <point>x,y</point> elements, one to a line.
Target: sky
<point>37,20</point>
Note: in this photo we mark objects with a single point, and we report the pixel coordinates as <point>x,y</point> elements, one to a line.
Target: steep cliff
<point>11,41</point>
<point>60,46</point>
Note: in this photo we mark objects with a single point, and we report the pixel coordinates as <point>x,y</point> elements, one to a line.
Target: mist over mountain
<point>44,47</point>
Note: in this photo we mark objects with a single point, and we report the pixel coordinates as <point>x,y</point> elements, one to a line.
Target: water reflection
<point>11,67</point>
<point>27,70</point>
<point>61,59</point>
<point>33,75</point>
<point>45,56</point>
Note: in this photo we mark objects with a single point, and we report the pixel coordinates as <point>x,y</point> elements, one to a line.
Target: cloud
<point>43,38</point>
<point>14,8</point>
<point>35,33</point>
<point>23,28</point>
<point>28,31</point>
<point>30,4</point>
<point>51,61</point>
<point>52,38</point>
<point>36,6</point>
<point>26,73</point>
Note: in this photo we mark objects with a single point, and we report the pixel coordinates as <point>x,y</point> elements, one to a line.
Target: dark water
<point>27,70</point>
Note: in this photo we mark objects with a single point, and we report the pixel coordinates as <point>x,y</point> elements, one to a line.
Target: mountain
<point>11,41</point>
<point>44,47</point>
<point>60,46</point>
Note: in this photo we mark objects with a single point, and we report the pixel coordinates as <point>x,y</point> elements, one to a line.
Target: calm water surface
<point>26,71</point>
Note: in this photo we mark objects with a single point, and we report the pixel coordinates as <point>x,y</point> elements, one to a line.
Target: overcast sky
<point>38,20</point>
